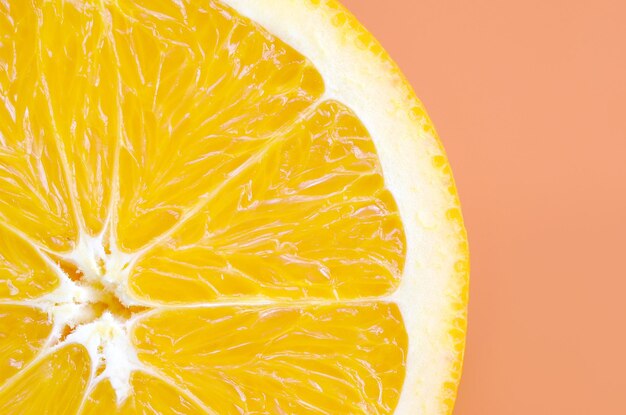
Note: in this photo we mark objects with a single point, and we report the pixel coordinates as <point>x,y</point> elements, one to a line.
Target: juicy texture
<point>187,140</point>
<point>23,333</point>
<point>23,272</point>
<point>54,384</point>
<point>310,219</point>
<point>266,360</point>
<point>151,396</point>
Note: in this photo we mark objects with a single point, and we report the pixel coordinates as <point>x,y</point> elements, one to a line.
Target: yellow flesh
<point>197,143</point>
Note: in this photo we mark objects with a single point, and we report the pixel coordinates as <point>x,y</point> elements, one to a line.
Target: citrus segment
<point>281,359</point>
<point>35,194</point>
<point>81,101</point>
<point>23,332</point>
<point>23,272</point>
<point>54,385</point>
<point>199,100</point>
<point>311,219</point>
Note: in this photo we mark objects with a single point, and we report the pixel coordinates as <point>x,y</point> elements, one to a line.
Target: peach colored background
<point>529,98</point>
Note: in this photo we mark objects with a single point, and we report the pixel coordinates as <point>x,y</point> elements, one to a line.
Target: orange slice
<point>220,207</point>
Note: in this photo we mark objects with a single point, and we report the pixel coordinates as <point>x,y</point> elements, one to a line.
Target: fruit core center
<point>106,301</point>
<point>92,307</point>
<point>99,290</point>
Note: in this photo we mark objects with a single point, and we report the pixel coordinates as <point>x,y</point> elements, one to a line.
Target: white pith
<point>353,77</point>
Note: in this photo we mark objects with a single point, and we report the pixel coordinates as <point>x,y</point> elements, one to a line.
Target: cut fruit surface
<point>220,207</point>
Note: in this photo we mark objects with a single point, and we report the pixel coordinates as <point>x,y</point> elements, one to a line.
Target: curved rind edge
<point>353,34</point>
<point>459,287</point>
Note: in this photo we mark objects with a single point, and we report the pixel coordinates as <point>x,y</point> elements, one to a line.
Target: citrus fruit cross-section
<point>220,207</point>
